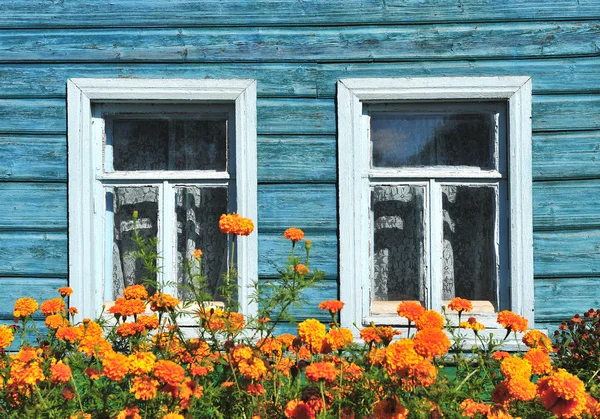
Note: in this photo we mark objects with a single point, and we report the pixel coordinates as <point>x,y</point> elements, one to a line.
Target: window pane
<point>198,211</point>
<point>469,261</point>
<point>417,139</point>
<point>126,268</point>
<point>169,144</point>
<point>399,240</point>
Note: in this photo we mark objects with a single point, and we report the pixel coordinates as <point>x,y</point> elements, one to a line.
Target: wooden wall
<point>296,50</point>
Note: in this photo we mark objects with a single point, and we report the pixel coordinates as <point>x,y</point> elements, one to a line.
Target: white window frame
<point>354,184</point>
<point>86,190</point>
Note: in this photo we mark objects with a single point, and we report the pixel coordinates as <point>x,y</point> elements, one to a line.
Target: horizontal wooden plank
<point>33,157</point>
<point>578,112</point>
<point>156,13</point>
<point>274,251</point>
<point>296,116</point>
<point>304,44</point>
<point>33,206</point>
<point>40,289</point>
<point>566,204</point>
<point>47,116</point>
<point>49,80</point>
<point>566,155</point>
<point>33,254</point>
<point>566,253</point>
<point>305,206</point>
<point>559,299</point>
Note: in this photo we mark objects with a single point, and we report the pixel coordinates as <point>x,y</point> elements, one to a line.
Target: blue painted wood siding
<point>296,51</point>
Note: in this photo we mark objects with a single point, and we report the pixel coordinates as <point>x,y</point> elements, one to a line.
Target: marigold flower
<point>423,374</point>
<point>65,291</point>
<point>129,329</point>
<point>500,355</point>
<point>536,339</point>
<point>137,291</point>
<point>6,337</point>
<point>235,224</point>
<point>297,409</point>
<point>471,408</point>
<point>563,394</point>
<point>500,394</point>
<point>189,389</point>
<point>141,362</point>
<point>197,254</point>
<point>115,366</point>
<point>253,369</point>
<point>73,310</point>
<point>338,338</point>
<point>80,415</point>
<point>69,333</point>
<point>512,321</point>
<point>93,345</point>
<point>256,389</point>
<point>53,306</point>
<point>124,307</point>
<point>378,334</point>
<point>149,322</point>
<point>163,302</point>
<point>321,371</point>
<point>521,389</point>
<point>144,387</point>
<point>429,319</point>
<point>287,340</point>
<point>25,307</point>
<point>301,269</point>
<point>411,310</point>
<point>460,305</point>
<point>312,333</point>
<point>515,367</point>
<point>539,359</point>
<point>472,324</point>
<point>129,413</point>
<point>390,409</point>
<point>401,355</point>
<point>227,384</point>
<point>430,343</point>
<point>173,416</point>
<point>169,372</point>
<point>270,346</point>
<point>333,306</point>
<point>293,234</point>
<point>60,373</point>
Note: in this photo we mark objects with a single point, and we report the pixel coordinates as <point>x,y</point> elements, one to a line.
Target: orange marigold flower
<point>515,367</point>
<point>189,389</point>
<point>472,324</point>
<point>144,387</point>
<point>287,340</point>
<point>411,310</point>
<point>60,373</point>
<point>115,366</point>
<point>92,345</point>
<point>141,362</point>
<point>6,337</point>
<point>333,306</point>
<point>73,310</point>
<point>301,269</point>
<point>562,393</point>
<point>297,409</point>
<point>25,307</point>
<point>124,307</point>
<point>401,355</point>
<point>499,412</point>
<point>423,374</point>
<point>471,408</point>
<point>430,343</point>
<point>378,334</point>
<point>53,306</point>
<point>256,389</point>
<point>173,416</point>
<point>429,319</point>
<point>55,321</point>
<point>293,234</point>
<point>353,372</point>
<point>253,369</point>
<point>521,389</point>
<point>137,291</point>
<point>592,407</point>
<point>512,321</point>
<point>539,359</point>
<point>197,254</point>
<point>149,322</point>
<point>536,339</point>
<point>227,384</point>
<point>129,413</point>
<point>500,355</point>
<point>92,373</point>
<point>129,329</point>
<point>240,353</point>
<point>65,291</point>
<point>460,305</point>
<point>163,302</point>
<point>270,346</point>
<point>69,333</point>
<point>321,371</point>
<point>390,409</point>
<point>312,333</point>
<point>500,394</point>
<point>169,372</point>
<point>235,224</point>
<point>338,338</point>
<point>81,415</point>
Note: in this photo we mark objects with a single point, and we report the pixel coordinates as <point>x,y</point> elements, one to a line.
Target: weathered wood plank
<point>566,253</point>
<point>581,111</point>
<point>45,116</point>
<point>33,206</point>
<point>40,289</point>
<point>156,13</point>
<point>296,116</point>
<point>49,80</point>
<point>566,204</point>
<point>274,251</point>
<point>305,44</point>
<point>308,207</point>
<point>33,157</point>
<point>559,299</point>
<point>34,254</point>
<point>566,155</point>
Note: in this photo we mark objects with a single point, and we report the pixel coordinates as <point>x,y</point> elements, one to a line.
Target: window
<point>435,195</point>
<point>180,153</point>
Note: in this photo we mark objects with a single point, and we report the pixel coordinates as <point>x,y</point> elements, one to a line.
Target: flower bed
<point>146,366</point>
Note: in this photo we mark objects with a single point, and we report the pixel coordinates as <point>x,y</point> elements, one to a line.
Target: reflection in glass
<point>469,262</point>
<point>126,268</point>
<point>399,237</point>
<point>169,144</point>
<point>198,210</point>
<point>416,139</point>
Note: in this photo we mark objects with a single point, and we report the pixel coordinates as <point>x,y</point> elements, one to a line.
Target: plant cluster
<point>138,362</point>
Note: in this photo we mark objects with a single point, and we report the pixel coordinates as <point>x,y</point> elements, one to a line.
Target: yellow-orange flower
<point>312,333</point>
<point>149,322</point>
<point>253,369</point>
<point>301,269</point>
<point>129,413</point>
<point>512,321</point>
<point>6,337</point>
<point>423,374</point>
<point>25,307</point>
<point>429,319</point>
<point>536,339</point>
<point>53,306</point>
<point>124,307</point>
<point>321,371</point>
<point>69,333</point>
<point>197,254</point>
<point>115,366</point>
<point>297,409</point>
<point>65,291</point>
<point>471,408</point>
<point>137,291</point>
<point>293,234</point>
<point>333,306</point>
<point>144,387</point>
<point>411,310</point>
<point>539,359</point>
<point>173,416</point>
<point>338,338</point>
<point>256,389</point>
<point>60,373</point>
<point>401,355</point>
<point>163,302</point>
<point>390,409</point>
<point>500,355</point>
<point>515,367</point>
<point>521,389</point>
<point>562,393</point>
<point>460,305</point>
<point>169,372</point>
<point>472,324</point>
<point>129,329</point>
<point>430,343</point>
<point>235,224</point>
<point>141,362</point>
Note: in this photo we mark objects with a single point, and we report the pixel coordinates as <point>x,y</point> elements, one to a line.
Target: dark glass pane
<point>399,237</point>
<point>169,144</point>
<point>469,261</point>
<point>417,139</point>
<point>127,269</point>
<point>198,211</point>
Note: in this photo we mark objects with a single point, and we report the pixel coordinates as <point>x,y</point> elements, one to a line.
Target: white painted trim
<point>85,187</point>
<point>354,175</point>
